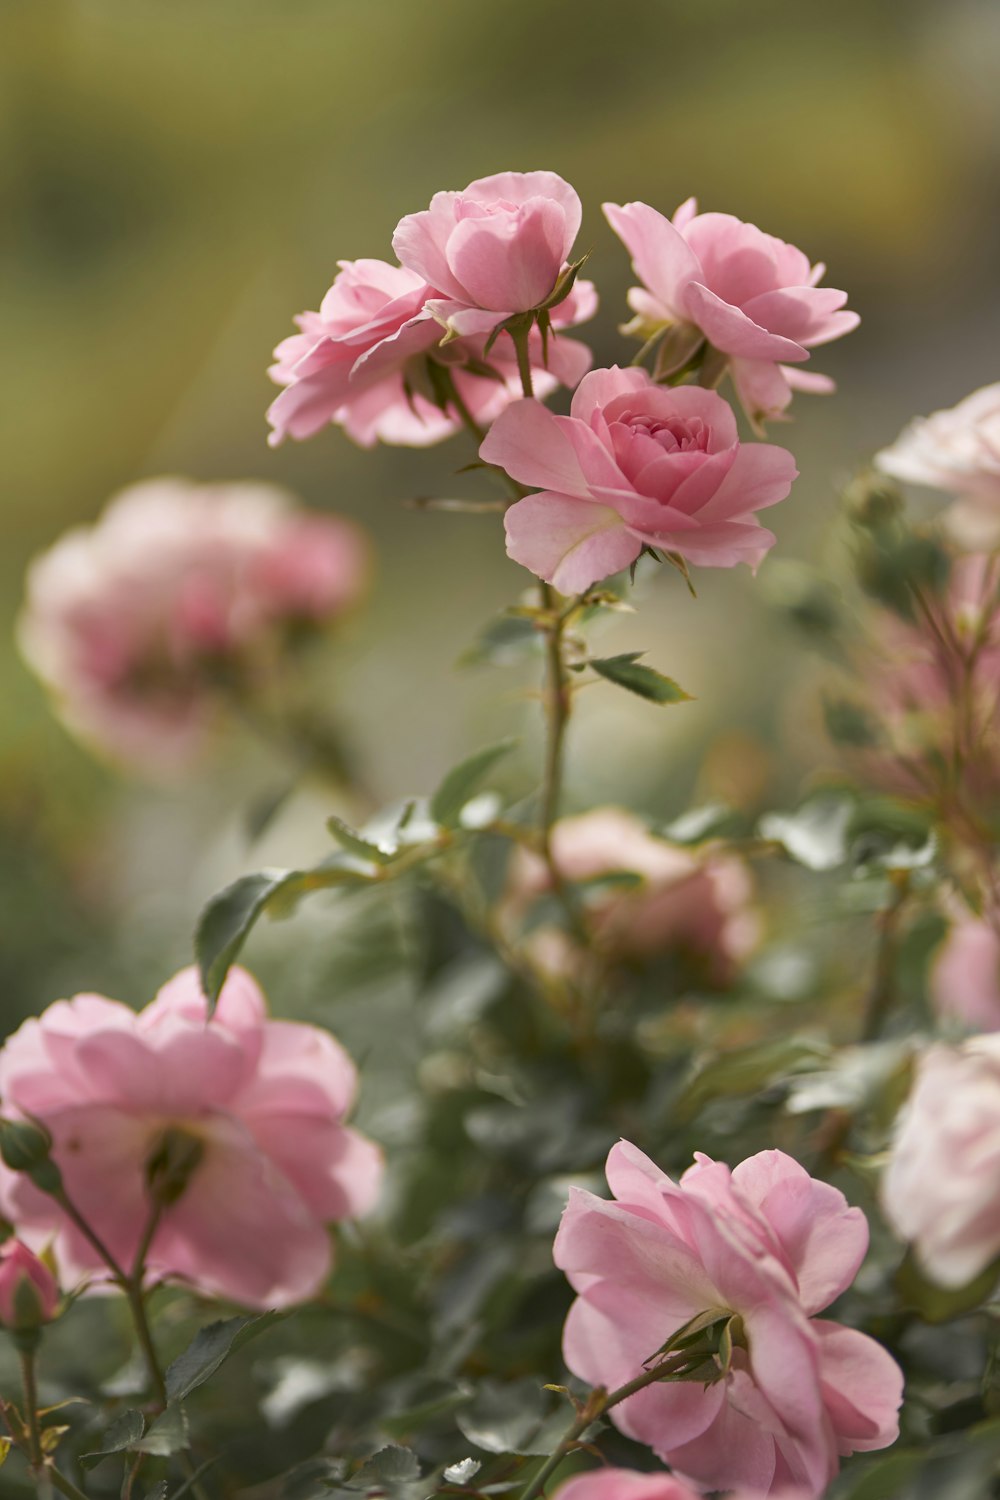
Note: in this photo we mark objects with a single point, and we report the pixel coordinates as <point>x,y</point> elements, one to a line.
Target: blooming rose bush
<point>226,1132</point>
<point>957,451</point>
<point>135,622</point>
<point>696,906</point>
<point>764,1246</point>
<point>755,300</point>
<point>633,466</point>
<point>939,1189</point>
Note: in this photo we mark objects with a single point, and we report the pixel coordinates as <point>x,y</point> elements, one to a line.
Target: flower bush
<point>533,982</point>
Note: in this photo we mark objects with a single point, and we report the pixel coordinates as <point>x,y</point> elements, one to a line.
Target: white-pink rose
<point>130,621</point>
<point>939,1190</point>
<point>958,451</point>
<point>754,298</point>
<point>246,1113</point>
<point>964,975</point>
<point>634,465</point>
<point>764,1244</point>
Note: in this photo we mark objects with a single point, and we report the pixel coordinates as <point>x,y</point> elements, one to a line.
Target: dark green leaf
<point>628,672</point>
<point>939,1304</point>
<point>389,1467</point>
<point>168,1434</point>
<point>504,640</point>
<point>211,1347</point>
<point>357,844</point>
<point>124,1432</point>
<point>506,1417</point>
<point>460,784</point>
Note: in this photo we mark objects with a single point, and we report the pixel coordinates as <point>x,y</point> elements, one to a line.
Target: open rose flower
<point>754,298</point>
<point>131,621</point>
<point>628,1484</point>
<point>495,249</point>
<point>939,1190</point>
<point>957,451</point>
<point>765,1245</point>
<point>227,1130</point>
<point>361,361</point>
<point>964,976</point>
<point>635,465</point>
<point>696,906</point>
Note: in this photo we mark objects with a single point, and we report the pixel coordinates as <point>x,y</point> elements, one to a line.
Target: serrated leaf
<point>390,1466</point>
<point>228,918</point>
<point>168,1434</point>
<point>462,781</point>
<point>210,1348</point>
<point>627,671</point>
<point>124,1432</point>
<point>463,1471</point>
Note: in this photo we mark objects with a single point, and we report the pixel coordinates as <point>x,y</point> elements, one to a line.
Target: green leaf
<point>227,919</point>
<point>210,1348</point>
<point>388,1467</point>
<point>461,783</point>
<point>124,1432</point>
<point>357,844</point>
<point>503,641</point>
<point>748,1070</point>
<point>939,1304</point>
<point>628,672</point>
<point>815,835</point>
<point>168,1434</point>
<point>506,1417</point>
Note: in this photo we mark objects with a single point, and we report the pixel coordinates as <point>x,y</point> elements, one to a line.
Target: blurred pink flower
<point>939,1190</point>
<point>753,297</point>
<point>766,1244</point>
<point>29,1295</point>
<point>964,976</point>
<point>494,249</point>
<point>958,451</point>
<point>629,1484</point>
<point>697,905</point>
<point>233,1123</point>
<point>360,362</point>
<point>634,465</point>
<point>130,621</point>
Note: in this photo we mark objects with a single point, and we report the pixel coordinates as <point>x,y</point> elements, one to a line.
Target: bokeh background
<point>181,176</point>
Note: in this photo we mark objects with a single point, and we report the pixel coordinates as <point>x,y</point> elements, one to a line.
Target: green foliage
<point>629,672</point>
<point>460,784</point>
<point>210,1348</point>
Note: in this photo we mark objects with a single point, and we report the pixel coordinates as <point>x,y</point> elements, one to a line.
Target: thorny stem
<point>598,1402</point>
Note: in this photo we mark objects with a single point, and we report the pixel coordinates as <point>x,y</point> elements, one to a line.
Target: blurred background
<point>181,177</point>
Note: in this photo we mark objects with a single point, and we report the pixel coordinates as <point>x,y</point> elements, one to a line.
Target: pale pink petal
<point>661,257</point>
<point>519,187</point>
<point>862,1387</point>
<point>509,264</point>
<point>533,447</point>
<point>728,328</point>
<point>570,543</point>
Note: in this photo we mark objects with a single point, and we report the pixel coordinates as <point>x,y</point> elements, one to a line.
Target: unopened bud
<point>26,1146</point>
<point>29,1295</point>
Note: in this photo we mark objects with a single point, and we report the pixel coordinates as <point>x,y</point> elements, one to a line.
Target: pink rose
<point>234,1124</point>
<point>129,621</point>
<point>634,465</point>
<point>361,361</point>
<point>697,905</point>
<point>753,297</point>
<point>29,1295</point>
<point>765,1244</point>
<point>628,1484</point>
<point>964,977</point>
<point>493,250</point>
<point>939,1190</point>
<point>957,451</point>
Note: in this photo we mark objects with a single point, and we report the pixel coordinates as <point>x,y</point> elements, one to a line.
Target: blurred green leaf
<point>462,781</point>
<point>507,639</point>
<point>629,672</point>
<point>168,1434</point>
<point>506,1417</point>
<point>357,844</point>
<point>124,1432</point>
<point>815,835</point>
<point>939,1304</point>
<point>387,1470</point>
<point>750,1069</point>
<point>210,1348</point>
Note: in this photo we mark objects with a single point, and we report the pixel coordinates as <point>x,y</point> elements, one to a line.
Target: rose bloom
<point>696,905</point>
<point>628,1484</point>
<point>237,1121</point>
<point>360,362</point>
<point>753,297</point>
<point>964,978</point>
<point>939,1190</point>
<point>635,465</point>
<point>29,1295</point>
<point>129,622</point>
<point>933,686</point>
<point>495,249</point>
<point>764,1242</point>
<point>957,451</point>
